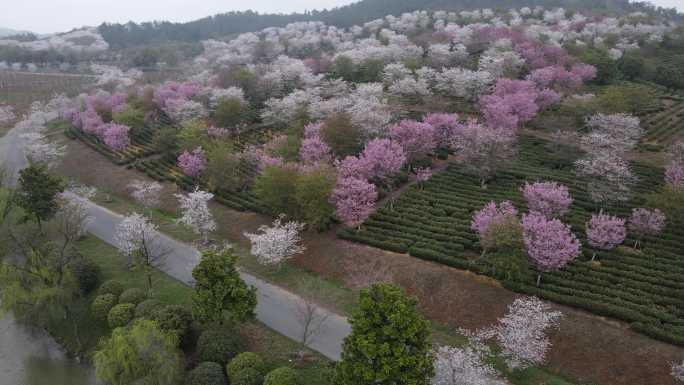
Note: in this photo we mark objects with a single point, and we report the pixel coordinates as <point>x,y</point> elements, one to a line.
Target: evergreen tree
<point>37,193</point>
<point>220,293</point>
<point>389,343</point>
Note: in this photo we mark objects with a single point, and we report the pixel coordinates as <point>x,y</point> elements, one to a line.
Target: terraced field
<point>643,288</point>
<point>667,125</point>
<point>143,156</point>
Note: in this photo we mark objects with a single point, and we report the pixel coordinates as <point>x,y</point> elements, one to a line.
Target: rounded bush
<point>175,319</point>
<point>282,376</point>
<point>206,373</point>
<point>247,376</point>
<point>101,306</point>
<point>134,296</point>
<point>87,274</point>
<point>246,369</point>
<point>111,287</point>
<point>218,345</point>
<point>121,315</point>
<point>146,308</point>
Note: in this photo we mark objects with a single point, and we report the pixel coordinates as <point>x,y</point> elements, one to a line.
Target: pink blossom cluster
<point>492,214</point>
<point>560,79</point>
<point>354,200</point>
<point>605,231</point>
<point>645,222</point>
<point>417,139</point>
<point>115,136</point>
<point>550,244</point>
<point>423,174</point>
<point>539,55</point>
<point>674,175</point>
<point>192,163</point>
<point>173,91</point>
<point>380,159</point>
<point>217,132</point>
<point>313,149</point>
<point>550,199</point>
<point>446,127</point>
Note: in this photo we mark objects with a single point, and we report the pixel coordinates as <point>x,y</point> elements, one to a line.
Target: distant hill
<point>221,25</point>
<point>4,32</point>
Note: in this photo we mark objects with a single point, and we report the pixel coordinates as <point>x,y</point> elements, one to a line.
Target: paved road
<point>276,308</point>
<point>12,156</point>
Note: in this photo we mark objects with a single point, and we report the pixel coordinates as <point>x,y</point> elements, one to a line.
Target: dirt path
<point>589,348</point>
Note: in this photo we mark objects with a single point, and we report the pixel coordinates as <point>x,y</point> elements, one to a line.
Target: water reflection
<point>32,357</point>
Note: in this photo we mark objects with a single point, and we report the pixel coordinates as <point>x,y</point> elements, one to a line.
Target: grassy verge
<point>277,350</point>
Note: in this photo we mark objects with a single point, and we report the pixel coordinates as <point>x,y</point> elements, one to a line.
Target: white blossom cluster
<point>277,243</point>
<point>465,366</point>
<point>677,371</point>
<point>196,213</point>
<point>521,333</point>
<point>6,114</point>
<point>82,40</point>
<point>617,133</point>
<point>40,150</point>
<point>114,76</point>
<point>135,232</point>
<point>146,193</point>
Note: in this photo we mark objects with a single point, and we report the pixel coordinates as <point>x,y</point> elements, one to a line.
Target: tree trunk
<point>538,279</point>
<point>593,257</point>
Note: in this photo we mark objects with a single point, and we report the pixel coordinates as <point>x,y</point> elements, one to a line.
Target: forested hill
<point>132,34</point>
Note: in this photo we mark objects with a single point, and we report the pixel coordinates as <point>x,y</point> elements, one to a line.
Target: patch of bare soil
<point>586,347</point>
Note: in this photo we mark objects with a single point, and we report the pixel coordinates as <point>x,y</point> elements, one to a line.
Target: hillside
<point>221,25</point>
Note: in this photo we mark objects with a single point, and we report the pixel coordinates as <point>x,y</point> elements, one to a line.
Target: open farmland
<point>639,287</point>
<point>20,89</point>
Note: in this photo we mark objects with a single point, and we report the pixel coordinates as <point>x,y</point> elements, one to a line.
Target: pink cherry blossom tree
<point>446,127</point>
<point>354,200</point>
<point>485,222</point>
<point>605,232</point>
<point>416,138</point>
<point>644,222</point>
<point>116,136</point>
<point>382,159</point>
<point>423,175</point>
<point>548,198</point>
<point>550,244</point>
<point>674,176</point>
<point>314,150</point>
<point>484,150</point>
<point>192,163</point>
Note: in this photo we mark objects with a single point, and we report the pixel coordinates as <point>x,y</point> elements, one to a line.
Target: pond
<point>31,357</point>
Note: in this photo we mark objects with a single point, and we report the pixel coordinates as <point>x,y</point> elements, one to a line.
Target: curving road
<point>277,308</point>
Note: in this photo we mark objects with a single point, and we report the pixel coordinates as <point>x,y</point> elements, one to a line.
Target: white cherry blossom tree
<point>196,213</point>
<point>275,244</point>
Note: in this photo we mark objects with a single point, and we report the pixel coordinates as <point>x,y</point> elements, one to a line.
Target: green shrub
<point>229,112</point>
<point>87,274</point>
<point>246,369</point>
<point>177,320</point>
<point>121,315</point>
<point>111,287</point>
<point>146,308</point>
<point>133,295</point>
<point>131,117</point>
<point>282,376</point>
<point>218,345</point>
<point>101,306</point>
<point>206,373</point>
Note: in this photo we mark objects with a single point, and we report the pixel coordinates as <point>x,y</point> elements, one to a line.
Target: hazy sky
<point>45,16</point>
